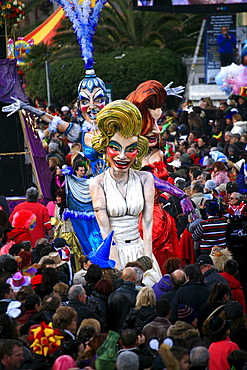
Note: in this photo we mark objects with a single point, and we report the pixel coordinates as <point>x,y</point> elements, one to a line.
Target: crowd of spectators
<point>56,316</point>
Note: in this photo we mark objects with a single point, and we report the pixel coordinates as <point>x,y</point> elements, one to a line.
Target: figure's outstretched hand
<point>176,91</point>
<point>14,107</point>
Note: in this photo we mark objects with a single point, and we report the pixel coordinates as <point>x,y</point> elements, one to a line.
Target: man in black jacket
<point>193,292</point>
<point>209,274</point>
<point>123,299</point>
<point>77,300</point>
<point>131,342</point>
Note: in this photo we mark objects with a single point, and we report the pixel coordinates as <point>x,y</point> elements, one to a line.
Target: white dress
<point>124,218</point>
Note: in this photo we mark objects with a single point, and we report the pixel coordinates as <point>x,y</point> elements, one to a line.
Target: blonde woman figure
<point>122,192</point>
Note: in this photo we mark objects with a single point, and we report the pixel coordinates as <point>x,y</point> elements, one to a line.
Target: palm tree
<point>120,26</point>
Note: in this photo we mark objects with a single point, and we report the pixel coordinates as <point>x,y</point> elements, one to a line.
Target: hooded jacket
<point>184,330</point>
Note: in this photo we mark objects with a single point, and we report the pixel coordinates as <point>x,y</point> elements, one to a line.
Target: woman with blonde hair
<point>121,193</point>
<point>144,311</point>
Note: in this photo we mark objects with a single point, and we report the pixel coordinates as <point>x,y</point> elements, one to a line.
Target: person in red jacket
<point>42,217</point>
<point>229,272</point>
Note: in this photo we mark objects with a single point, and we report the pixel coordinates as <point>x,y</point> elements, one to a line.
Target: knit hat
<point>218,327</point>
<point>185,159</point>
<point>231,112</point>
<point>210,185</point>
<point>186,313</point>
<point>101,255</point>
<point>233,310</point>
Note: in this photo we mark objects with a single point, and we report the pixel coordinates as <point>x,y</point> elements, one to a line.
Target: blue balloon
<point>218,79</point>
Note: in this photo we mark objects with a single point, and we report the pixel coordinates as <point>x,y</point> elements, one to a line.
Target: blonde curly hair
<point>123,117</point>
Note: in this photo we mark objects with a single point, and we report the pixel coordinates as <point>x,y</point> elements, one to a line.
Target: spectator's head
<point>187,314</point>
<point>32,302</point>
<point>197,187</point>
<point>129,274</point>
<point>85,262</point>
<point>177,278</point>
<point>93,274</point>
<point>127,360</point>
<point>61,289</point>
<point>65,318</point>
<point>231,267</point>
<point>214,207</point>
<point>6,291</point>
<point>77,292</point>
<point>15,250</point>
<point>73,347</point>
<point>183,357</point>
<point>146,263</point>
<point>163,308</point>
<point>218,328</point>
<point>204,262</point>
<point>139,274</point>
<point>11,354</point>
<point>26,260</point>
<point>104,286</point>
<point>237,359</point>
<point>172,264</point>
<point>219,292</point>
<point>32,195</point>
<point>202,141</point>
<point>233,310</point>
<point>10,265</point>
<point>145,297</point>
<point>199,356</point>
<point>193,273</point>
<point>64,362</point>
<point>51,303</point>
<point>235,198</point>
<point>128,338</point>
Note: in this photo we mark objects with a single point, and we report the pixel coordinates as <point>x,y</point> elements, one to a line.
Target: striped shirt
<point>211,232</point>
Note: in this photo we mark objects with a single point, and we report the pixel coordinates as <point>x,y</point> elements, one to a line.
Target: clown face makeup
<point>91,103</point>
<point>122,152</point>
<point>153,135</point>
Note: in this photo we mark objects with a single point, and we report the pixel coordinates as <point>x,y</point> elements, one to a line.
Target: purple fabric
<point>163,286</point>
<point>10,83</point>
<point>38,152</point>
<point>164,186</point>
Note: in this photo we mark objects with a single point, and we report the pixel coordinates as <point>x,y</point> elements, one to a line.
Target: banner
<point>211,53</point>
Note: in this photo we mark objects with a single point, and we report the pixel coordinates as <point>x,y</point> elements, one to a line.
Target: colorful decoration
<point>12,11</point>
<point>19,49</point>
<point>45,340</point>
<point>84,19</point>
<point>230,79</point>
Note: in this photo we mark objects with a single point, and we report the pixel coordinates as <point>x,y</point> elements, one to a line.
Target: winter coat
<point>137,319</point>
<point>236,289</point>
<point>163,286</point>
<point>184,330</point>
<point>83,312</point>
<point>210,277</point>
<point>98,304</point>
<point>120,302</point>
<point>191,293</point>
<point>220,177</point>
<point>218,352</point>
<point>156,329</point>
<point>239,127</point>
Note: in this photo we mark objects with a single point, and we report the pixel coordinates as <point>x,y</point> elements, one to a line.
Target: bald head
<point>129,274</point>
<point>177,278</point>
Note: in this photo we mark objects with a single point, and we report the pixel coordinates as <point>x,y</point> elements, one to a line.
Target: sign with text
<point>211,53</point>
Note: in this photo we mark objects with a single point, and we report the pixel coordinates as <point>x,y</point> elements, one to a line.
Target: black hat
<point>60,243</point>
<point>233,310</point>
<point>204,260</point>
<point>218,327</point>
